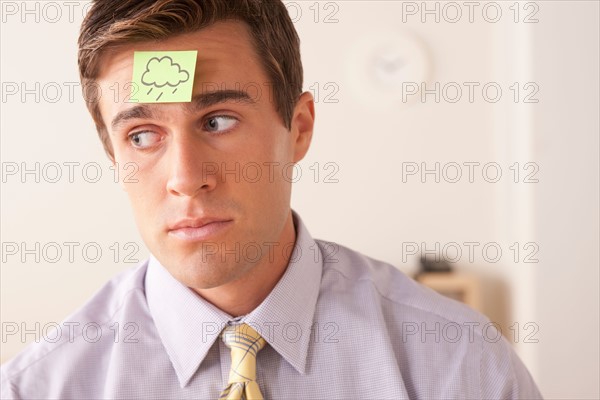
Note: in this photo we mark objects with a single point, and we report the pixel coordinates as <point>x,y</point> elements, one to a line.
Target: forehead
<point>226,60</point>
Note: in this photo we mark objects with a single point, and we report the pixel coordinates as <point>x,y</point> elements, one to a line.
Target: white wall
<point>566,127</point>
<point>368,134</point>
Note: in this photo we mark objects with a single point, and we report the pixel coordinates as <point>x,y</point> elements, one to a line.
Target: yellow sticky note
<point>163,76</point>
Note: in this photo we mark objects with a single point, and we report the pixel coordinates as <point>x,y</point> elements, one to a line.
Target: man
<point>237,299</point>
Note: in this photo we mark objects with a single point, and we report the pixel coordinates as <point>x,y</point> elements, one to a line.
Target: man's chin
<point>202,275</point>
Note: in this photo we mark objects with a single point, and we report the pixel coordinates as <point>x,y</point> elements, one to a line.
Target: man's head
<point>110,25</point>
<point>227,154</point>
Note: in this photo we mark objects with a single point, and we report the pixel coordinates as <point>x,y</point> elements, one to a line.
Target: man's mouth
<point>199,228</point>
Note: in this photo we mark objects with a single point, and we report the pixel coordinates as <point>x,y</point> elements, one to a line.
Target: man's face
<point>217,158</point>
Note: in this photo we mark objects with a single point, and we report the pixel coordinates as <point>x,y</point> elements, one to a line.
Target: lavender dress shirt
<point>338,325</point>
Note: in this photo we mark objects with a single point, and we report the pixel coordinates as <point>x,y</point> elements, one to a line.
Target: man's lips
<point>196,222</point>
<point>198,229</point>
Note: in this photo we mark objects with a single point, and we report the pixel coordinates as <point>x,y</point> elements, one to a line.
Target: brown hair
<point>113,23</point>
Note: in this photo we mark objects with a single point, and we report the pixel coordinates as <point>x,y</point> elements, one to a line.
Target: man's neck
<point>243,295</point>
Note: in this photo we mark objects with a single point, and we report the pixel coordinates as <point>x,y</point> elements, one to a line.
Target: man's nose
<point>190,168</point>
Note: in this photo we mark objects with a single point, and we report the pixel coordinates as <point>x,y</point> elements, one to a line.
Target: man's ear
<point>303,121</point>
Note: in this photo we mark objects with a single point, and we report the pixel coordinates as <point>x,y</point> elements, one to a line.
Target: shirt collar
<point>185,320</point>
<point>187,324</point>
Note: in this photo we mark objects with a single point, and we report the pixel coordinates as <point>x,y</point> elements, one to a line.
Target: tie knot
<point>244,343</point>
<point>243,336</point>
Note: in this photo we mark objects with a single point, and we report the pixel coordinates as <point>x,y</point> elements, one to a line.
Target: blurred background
<point>464,131</point>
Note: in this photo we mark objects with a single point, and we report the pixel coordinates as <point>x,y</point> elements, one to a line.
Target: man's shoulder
<point>353,270</point>
<point>84,331</point>
<point>421,325</point>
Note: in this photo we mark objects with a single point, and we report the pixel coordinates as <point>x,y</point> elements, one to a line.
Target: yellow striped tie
<point>244,343</point>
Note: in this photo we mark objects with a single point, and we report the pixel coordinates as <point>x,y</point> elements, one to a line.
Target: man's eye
<point>144,139</point>
<point>220,123</point>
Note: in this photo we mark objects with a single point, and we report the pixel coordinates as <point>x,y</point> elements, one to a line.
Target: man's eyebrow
<point>140,111</point>
<point>198,102</point>
<point>208,99</point>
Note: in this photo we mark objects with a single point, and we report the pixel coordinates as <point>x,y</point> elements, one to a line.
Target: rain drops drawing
<point>161,72</point>
<point>163,76</point>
